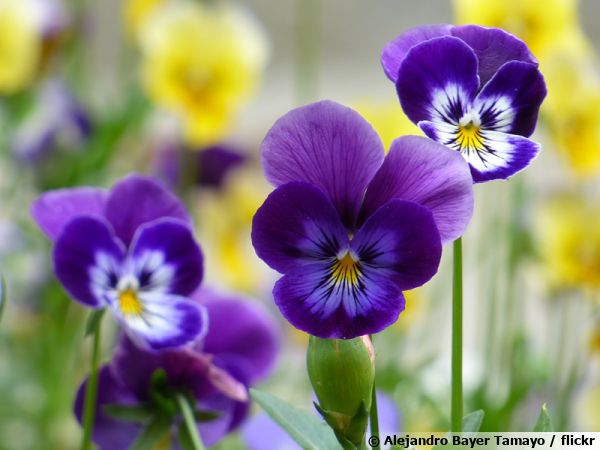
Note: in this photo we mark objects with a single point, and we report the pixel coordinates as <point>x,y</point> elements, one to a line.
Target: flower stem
<point>190,423</point>
<point>374,416</point>
<point>91,393</point>
<point>457,324</point>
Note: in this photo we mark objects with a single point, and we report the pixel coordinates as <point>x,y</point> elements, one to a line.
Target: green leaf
<point>136,413</point>
<point>303,427</point>
<point>93,321</point>
<point>2,295</point>
<point>471,423</point>
<point>150,436</point>
<point>544,422</point>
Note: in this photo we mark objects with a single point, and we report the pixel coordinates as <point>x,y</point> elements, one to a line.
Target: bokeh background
<point>91,91</point>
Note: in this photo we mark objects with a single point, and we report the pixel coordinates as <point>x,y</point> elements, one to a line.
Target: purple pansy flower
<point>239,350</point>
<point>131,250</point>
<point>477,90</point>
<point>349,230</point>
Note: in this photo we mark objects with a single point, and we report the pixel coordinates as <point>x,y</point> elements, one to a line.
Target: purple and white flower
<point>238,351</point>
<point>131,250</point>
<point>348,229</point>
<point>477,90</point>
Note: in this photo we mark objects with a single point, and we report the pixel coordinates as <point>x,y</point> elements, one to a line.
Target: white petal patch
<point>104,275</point>
<point>152,271</point>
<point>496,113</point>
<point>449,104</point>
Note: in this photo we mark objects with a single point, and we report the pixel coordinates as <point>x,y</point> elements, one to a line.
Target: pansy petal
<point>54,209</point>
<point>295,226</point>
<point>109,433</point>
<point>437,80</point>
<point>313,302</point>
<point>241,332</point>
<point>401,241</point>
<point>510,101</point>
<point>165,258</point>
<point>87,260</point>
<point>425,172</point>
<point>216,163</point>
<point>229,412</point>
<point>136,200</point>
<point>503,156</point>
<point>494,47</point>
<point>396,50</point>
<point>165,321</point>
<point>327,145</point>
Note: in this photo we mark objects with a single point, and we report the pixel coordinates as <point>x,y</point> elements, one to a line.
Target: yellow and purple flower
<point>216,373</point>
<point>348,229</point>
<point>476,90</point>
<point>130,250</point>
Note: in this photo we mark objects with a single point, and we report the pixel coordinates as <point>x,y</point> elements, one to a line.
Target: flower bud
<point>342,374</point>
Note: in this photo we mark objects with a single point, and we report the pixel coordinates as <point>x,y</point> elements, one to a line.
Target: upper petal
<point>437,80</point>
<point>88,259</point>
<point>295,226</point>
<point>396,50</point>
<point>327,145</point>
<point>164,257</point>
<point>136,200</point>
<point>401,241</point>
<point>241,332</point>
<point>430,174</point>
<point>53,210</point>
<point>511,100</point>
<point>494,47</point>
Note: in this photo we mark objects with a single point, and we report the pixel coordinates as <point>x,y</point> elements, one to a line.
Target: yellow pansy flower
<point>20,45</point>
<point>569,243</point>
<point>136,12</point>
<point>202,63</point>
<point>388,119</point>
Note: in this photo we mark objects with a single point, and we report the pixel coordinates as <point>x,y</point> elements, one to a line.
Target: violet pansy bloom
<point>130,250</point>
<point>477,90</point>
<point>348,229</point>
<point>238,351</point>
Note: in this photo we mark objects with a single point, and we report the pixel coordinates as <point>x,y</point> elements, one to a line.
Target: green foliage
<point>544,422</point>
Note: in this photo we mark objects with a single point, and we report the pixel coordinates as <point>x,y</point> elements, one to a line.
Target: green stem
<point>457,324</point>
<point>190,423</point>
<point>373,414</point>
<point>91,392</point>
<point>307,31</point>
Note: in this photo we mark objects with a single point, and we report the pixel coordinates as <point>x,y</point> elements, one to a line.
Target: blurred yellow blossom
<point>20,45</point>
<point>136,12</point>
<point>201,62</point>
<point>569,243</point>
<point>388,119</point>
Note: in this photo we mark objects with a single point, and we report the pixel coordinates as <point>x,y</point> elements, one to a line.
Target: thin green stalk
<point>456,412</point>
<point>373,414</point>
<point>91,393</point>
<point>190,423</point>
<point>307,32</point>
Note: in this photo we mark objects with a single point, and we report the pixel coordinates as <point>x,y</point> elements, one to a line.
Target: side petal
<point>136,200</point>
<point>88,259</point>
<point>396,50</point>
<point>503,156</point>
<point>327,145</point>
<point>425,172</point>
<point>511,100</point>
<point>54,209</point>
<point>295,226</point>
<point>241,332</point>
<point>109,433</point>
<point>165,321</point>
<point>164,257</point>
<point>437,80</point>
<point>494,47</point>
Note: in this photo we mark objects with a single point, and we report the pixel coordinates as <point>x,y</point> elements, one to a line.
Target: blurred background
<point>91,91</point>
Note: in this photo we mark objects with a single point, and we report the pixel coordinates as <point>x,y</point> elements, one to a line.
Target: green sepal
<point>206,416</point>
<point>93,321</point>
<point>347,429</point>
<point>183,436</point>
<point>161,395</point>
<point>544,422</point>
<point>129,413</point>
<point>158,428</point>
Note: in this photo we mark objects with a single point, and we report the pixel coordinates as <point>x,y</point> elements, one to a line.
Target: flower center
<point>130,303</point>
<point>469,137</point>
<point>346,270</point>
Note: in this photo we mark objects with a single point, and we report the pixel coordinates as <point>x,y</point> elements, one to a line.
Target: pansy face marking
<point>476,90</point>
<point>345,271</point>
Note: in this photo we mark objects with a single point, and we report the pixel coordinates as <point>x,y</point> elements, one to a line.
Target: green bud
<point>342,374</point>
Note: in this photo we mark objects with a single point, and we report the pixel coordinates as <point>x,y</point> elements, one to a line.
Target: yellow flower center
<point>469,137</point>
<point>346,270</point>
<point>130,303</point>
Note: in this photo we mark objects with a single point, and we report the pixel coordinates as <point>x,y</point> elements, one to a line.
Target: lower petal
<point>166,321</point>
